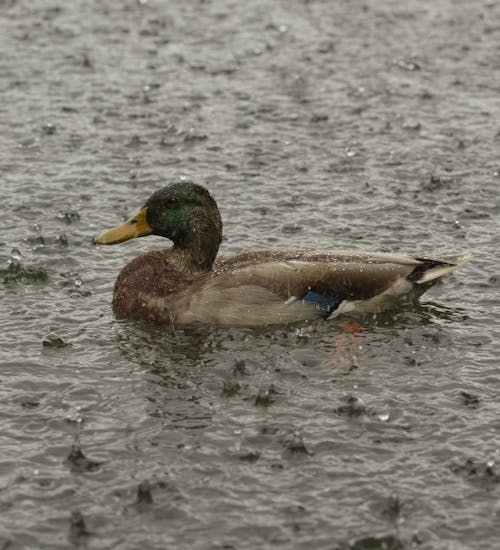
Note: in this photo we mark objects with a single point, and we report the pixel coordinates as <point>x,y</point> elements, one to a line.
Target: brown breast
<point>146,285</point>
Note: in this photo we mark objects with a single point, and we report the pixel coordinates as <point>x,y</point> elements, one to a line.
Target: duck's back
<point>292,273</point>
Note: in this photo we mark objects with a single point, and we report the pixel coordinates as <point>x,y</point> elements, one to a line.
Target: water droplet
<point>146,96</point>
<point>62,240</point>
<point>68,216</point>
<point>74,416</point>
<point>78,462</point>
<point>48,129</point>
<point>52,340</point>
<point>294,444</point>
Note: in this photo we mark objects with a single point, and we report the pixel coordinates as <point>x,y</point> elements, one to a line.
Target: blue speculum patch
<point>325,304</point>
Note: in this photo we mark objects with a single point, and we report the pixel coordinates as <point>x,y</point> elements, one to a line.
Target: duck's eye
<point>171,202</point>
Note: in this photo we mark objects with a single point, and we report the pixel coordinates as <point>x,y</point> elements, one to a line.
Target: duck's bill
<point>136,226</point>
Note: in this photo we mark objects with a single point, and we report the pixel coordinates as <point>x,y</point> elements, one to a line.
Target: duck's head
<point>183,212</point>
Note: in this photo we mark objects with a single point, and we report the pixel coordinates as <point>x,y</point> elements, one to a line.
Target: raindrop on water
<point>74,415</point>
<point>48,129</point>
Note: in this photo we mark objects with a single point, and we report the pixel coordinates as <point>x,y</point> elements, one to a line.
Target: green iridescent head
<point>184,212</point>
<point>181,210</point>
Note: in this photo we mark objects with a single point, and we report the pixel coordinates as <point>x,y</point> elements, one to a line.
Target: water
<point>315,124</point>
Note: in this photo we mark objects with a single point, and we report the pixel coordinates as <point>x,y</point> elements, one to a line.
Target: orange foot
<point>347,342</point>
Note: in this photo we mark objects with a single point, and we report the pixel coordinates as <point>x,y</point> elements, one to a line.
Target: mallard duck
<point>189,283</point>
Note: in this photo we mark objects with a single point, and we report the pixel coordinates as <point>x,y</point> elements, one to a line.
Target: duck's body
<point>188,283</point>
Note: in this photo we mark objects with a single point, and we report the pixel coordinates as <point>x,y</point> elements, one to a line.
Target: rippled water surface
<point>318,124</point>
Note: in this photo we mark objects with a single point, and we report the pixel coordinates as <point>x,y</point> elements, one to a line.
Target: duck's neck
<point>195,254</point>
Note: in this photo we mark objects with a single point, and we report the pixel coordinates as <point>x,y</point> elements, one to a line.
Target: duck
<point>190,283</point>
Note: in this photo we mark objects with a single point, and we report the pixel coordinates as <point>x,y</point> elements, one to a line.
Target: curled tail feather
<point>434,269</point>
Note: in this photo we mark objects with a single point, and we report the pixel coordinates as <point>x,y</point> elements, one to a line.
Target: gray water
<point>315,124</point>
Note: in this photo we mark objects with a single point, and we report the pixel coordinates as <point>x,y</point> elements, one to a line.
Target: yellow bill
<point>136,226</point>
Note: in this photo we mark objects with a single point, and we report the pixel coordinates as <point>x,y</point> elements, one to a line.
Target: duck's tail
<point>432,269</point>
